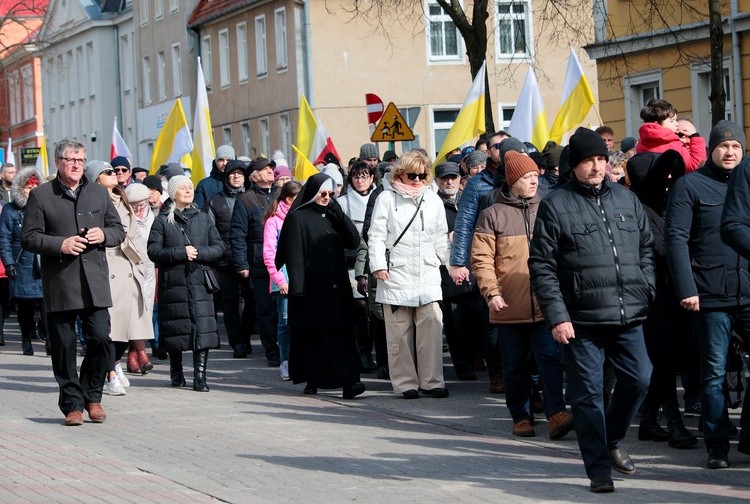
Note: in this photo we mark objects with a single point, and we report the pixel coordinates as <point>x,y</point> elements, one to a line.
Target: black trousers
<point>75,391</point>
<point>230,282</point>
<point>464,328</point>
<point>265,310</point>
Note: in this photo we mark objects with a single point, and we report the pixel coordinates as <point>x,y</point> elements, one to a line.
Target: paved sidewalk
<point>254,438</point>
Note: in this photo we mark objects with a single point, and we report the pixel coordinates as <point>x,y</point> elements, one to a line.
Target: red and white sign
<point>374,108</point>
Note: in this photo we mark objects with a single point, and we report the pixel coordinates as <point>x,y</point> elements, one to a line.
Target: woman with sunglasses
<point>130,313</point>
<point>322,350</point>
<point>408,241</point>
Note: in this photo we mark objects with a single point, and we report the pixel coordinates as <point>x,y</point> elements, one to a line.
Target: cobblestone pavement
<point>255,438</point>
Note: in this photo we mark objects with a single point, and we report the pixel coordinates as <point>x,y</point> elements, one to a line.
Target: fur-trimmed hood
<point>19,182</point>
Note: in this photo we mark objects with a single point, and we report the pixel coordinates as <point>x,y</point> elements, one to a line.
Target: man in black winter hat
<point>592,270</point>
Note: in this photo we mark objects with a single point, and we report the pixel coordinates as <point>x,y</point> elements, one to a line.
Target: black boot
<point>649,429</point>
<point>2,340</point>
<point>679,436</point>
<point>26,346</point>
<point>175,369</point>
<point>200,359</point>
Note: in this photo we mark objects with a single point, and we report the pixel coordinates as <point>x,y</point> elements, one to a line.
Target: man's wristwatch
<point>490,296</point>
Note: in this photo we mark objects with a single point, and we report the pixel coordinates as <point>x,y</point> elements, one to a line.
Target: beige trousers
<point>415,362</point>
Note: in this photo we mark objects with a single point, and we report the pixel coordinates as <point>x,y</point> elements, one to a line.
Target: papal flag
<point>470,121</point>
<point>303,168</point>
<point>203,137</point>
<point>174,143</point>
<point>9,156</point>
<point>312,138</point>
<point>529,121</point>
<point>577,99</point>
<point>42,163</point>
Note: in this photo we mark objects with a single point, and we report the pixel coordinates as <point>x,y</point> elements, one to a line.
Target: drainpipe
<point>308,50</point>
<point>739,104</point>
<point>118,86</point>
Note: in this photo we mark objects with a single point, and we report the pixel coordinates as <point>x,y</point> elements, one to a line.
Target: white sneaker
<point>284,370</point>
<point>121,375</point>
<point>113,387</point>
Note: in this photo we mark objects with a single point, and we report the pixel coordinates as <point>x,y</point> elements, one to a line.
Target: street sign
<point>374,108</point>
<point>392,127</point>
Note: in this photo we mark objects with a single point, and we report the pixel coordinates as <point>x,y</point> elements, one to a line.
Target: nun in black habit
<point>323,350</point>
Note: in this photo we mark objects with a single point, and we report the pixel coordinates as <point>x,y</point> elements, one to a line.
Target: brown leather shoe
<point>74,418</point>
<point>559,424</point>
<point>96,413</point>
<point>523,428</point>
<point>497,385</point>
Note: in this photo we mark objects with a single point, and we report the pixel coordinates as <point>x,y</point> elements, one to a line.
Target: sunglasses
<point>108,171</point>
<point>329,194</point>
<point>121,170</point>
<point>415,176</point>
<point>496,146</point>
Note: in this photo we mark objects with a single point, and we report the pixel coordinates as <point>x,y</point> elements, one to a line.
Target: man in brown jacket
<point>69,222</point>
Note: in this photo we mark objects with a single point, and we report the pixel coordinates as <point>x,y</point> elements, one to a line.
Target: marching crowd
<point>577,275</point>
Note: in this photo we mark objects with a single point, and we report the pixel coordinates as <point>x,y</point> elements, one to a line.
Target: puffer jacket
<point>476,187</point>
<point>500,255</point>
<point>655,138</point>
<point>213,184</point>
<point>415,261</point>
<point>271,231</point>
<point>220,207</point>
<point>186,308</point>
<point>246,229</point>
<point>591,258</point>
<point>701,264</point>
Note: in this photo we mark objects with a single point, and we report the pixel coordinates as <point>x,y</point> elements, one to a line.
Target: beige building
<point>261,56</point>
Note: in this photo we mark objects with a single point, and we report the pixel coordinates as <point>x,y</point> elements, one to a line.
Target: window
<point>27,78</point>
<point>176,70</point>
<point>261,60</point>
<point>513,37</point>
<point>146,80</point>
<point>90,62</point>
<point>242,51</point>
<point>206,61</point>
<point>444,38</point>
<point>144,12</point>
<point>285,132</point>
<point>82,64</point>
<point>161,69</point>
<point>638,90</point>
<point>14,89</point>
<point>72,73</point>
<point>442,121</point>
<point>700,77</point>
<point>125,71</point>
<point>61,74</point>
<point>280,35</point>
<point>158,9</point>
<point>226,133</point>
<point>245,127</point>
<point>265,138</point>
<point>174,6</point>
<point>224,57</point>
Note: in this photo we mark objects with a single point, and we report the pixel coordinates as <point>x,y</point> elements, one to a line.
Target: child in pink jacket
<point>279,287</point>
<point>661,132</point>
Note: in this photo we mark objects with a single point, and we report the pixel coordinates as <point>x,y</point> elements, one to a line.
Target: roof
<point>15,33</point>
<point>208,10</point>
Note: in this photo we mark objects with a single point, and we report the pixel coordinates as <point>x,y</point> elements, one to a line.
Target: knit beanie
<point>724,131</point>
<point>94,168</point>
<point>153,182</point>
<point>120,161</point>
<point>586,143</point>
<point>511,144</point>
<point>225,151</point>
<point>517,165</point>
<point>174,184</point>
<point>367,151</point>
<point>235,165</point>
<point>627,143</point>
<point>476,158</point>
<point>137,192</point>
<point>332,171</point>
<point>173,170</point>
<point>551,153</point>
<point>281,171</point>
<point>279,158</point>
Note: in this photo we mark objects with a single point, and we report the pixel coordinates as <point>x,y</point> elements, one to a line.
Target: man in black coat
<point>69,222</point>
<point>711,279</point>
<point>246,240</point>
<point>592,270</point>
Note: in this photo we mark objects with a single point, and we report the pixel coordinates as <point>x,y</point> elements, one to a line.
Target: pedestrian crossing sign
<point>392,127</point>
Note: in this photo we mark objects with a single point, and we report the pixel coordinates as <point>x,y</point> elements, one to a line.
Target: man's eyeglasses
<point>415,176</point>
<point>327,194</point>
<point>108,171</point>
<point>496,146</point>
<point>71,160</point>
<point>121,170</point>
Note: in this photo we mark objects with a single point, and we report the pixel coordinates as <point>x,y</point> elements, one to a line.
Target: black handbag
<point>388,250</point>
<point>211,281</point>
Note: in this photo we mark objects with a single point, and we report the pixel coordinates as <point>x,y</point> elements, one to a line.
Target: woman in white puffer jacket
<point>409,279</point>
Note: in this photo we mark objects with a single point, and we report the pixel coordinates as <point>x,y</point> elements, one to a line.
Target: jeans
<point>282,303</point>
<point>515,341</point>
<point>714,328</point>
<point>601,431</point>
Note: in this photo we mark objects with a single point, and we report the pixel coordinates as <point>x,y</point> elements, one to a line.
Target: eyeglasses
<point>496,146</point>
<point>108,171</point>
<point>361,176</point>
<point>121,170</point>
<point>327,194</point>
<point>71,160</point>
<point>414,176</point>
<point>140,204</point>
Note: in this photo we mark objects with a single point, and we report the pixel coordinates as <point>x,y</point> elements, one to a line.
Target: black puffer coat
<point>186,309</point>
<point>220,207</point>
<point>591,259</point>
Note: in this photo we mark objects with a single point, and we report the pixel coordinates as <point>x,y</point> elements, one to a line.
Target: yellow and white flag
<point>303,168</point>
<point>203,137</point>
<point>529,121</point>
<point>42,163</point>
<point>577,100</point>
<point>174,143</point>
<point>470,121</point>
